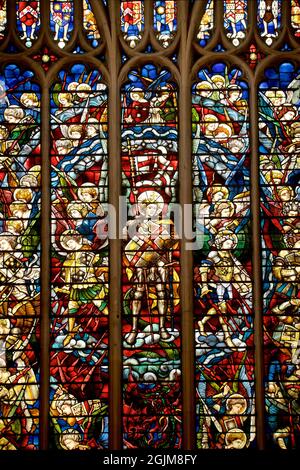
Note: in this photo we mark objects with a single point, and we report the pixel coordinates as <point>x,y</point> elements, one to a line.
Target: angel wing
<point>242,210</point>
<point>203,209</point>
<point>293,91</point>
<point>242,203</point>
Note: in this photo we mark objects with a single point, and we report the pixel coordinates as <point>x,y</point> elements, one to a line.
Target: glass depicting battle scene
<point>79,269</point>
<point>19,259</point>
<point>279,132</point>
<point>142,51</point>
<point>150,278</point>
<point>222,260</point>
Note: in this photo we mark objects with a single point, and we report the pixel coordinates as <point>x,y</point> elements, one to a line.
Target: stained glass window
<point>269,19</point>
<point>61,21</point>
<point>165,21</point>
<point>132,21</point>
<point>20,258</point>
<point>296,16</point>
<point>90,24</point>
<point>149,225</point>
<point>235,16</point>
<point>206,24</point>
<point>279,105</point>
<point>222,260</point>
<point>28,14</point>
<point>151,311</point>
<point>79,266</point>
<point>3,19</point>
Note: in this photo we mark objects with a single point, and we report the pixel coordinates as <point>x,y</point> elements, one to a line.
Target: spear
<point>133,172</point>
<point>171,287</point>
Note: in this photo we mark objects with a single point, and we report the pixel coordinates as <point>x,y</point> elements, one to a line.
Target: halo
<point>271,174</point>
<point>152,197</point>
<point>72,86</point>
<point>232,433</point>
<point>71,433</point>
<point>218,77</point>
<point>204,85</point>
<point>68,233</point>
<point>238,396</point>
<point>83,87</point>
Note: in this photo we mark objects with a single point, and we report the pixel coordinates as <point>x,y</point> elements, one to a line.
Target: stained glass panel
<point>150,279</point>
<point>148,306</point>
<point>132,21</point>
<point>296,17</point>
<point>3,18</point>
<point>279,106</point>
<point>19,259</point>
<point>269,19</point>
<point>235,20</point>
<point>79,268</point>
<point>222,260</point>
<point>90,24</point>
<point>61,21</point>
<point>206,24</point>
<point>28,21</point>
<point>165,21</point>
